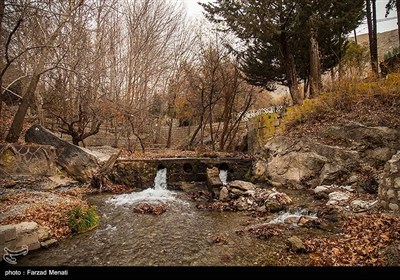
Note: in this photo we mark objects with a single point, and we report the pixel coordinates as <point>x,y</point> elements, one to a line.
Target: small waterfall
<point>160,182</point>
<point>158,192</point>
<point>223,176</point>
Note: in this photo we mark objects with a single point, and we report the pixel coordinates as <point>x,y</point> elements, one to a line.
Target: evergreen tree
<point>277,36</point>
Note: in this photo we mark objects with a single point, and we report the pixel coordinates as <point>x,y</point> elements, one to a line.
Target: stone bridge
<point>141,173</point>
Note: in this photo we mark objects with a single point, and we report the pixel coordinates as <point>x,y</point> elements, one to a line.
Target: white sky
<point>195,11</point>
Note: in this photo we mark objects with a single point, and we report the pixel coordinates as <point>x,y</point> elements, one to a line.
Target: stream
<point>182,236</point>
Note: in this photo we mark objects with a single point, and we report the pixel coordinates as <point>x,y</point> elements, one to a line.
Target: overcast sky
<point>195,11</point>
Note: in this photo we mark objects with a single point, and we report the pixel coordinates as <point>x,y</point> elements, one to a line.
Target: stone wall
<point>141,173</point>
<point>389,189</point>
<point>24,235</point>
<point>27,160</point>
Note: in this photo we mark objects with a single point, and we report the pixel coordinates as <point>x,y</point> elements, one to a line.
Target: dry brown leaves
<point>219,240</point>
<point>361,243</point>
<point>54,216</point>
<point>146,208</point>
<point>11,200</point>
<point>265,231</point>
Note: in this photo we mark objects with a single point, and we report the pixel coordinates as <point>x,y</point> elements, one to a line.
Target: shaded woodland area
<point>129,66</point>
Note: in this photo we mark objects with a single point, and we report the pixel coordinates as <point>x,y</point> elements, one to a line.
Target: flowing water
<point>223,176</point>
<point>183,235</point>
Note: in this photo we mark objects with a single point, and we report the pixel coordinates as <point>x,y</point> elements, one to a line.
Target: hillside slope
<point>386,41</point>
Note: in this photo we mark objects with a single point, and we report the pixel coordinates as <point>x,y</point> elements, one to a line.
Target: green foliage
<point>271,32</point>
<point>83,218</point>
<point>395,51</point>
<point>355,58</point>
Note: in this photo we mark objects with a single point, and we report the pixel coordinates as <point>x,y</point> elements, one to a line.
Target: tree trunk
<point>290,69</point>
<point>75,141</point>
<point>18,121</point>
<point>169,139</point>
<point>211,129</point>
<point>371,22</point>
<point>197,129</point>
<point>225,121</point>
<point>315,74</point>
<point>398,18</point>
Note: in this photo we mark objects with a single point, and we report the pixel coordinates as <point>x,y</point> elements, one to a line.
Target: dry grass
<point>373,103</point>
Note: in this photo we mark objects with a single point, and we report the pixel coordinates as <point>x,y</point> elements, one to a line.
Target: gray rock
<point>237,192</point>
<point>320,189</point>
<point>29,160</point>
<point>393,207</point>
<point>295,244</point>
<point>43,233</point>
<point>292,220</point>
<point>304,162</point>
<point>259,169</point>
<point>74,160</point>
<point>331,172</point>
<point>390,194</point>
<point>28,239</point>
<point>379,156</point>
<point>11,245</point>
<point>251,193</point>
<point>242,185</point>
<point>336,197</point>
<point>306,220</point>
<point>8,233</point>
<point>359,205</point>
<point>224,194</point>
<point>26,227</point>
<point>397,183</point>
<point>48,243</point>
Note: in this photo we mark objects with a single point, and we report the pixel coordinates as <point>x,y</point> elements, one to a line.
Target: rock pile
<point>245,196</point>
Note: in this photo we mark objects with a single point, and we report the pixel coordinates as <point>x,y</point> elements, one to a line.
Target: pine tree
<point>277,36</point>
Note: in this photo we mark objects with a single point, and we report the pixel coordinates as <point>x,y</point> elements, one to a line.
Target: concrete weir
<point>141,173</point>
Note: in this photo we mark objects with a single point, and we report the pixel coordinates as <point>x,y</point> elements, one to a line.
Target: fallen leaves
<point>363,239</point>
<point>44,208</point>
<point>265,231</point>
<point>147,208</point>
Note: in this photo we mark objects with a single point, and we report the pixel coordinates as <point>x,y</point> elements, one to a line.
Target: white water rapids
<point>158,192</point>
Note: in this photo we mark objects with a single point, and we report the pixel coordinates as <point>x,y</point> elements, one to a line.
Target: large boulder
<point>303,162</point>
<point>306,162</point>
<point>73,159</point>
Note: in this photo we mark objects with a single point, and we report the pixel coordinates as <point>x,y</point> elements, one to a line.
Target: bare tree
<point>39,68</point>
